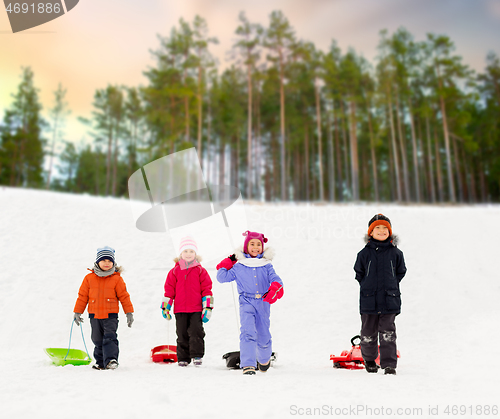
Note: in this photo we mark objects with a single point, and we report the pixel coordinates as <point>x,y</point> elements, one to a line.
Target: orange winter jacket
<point>102,295</point>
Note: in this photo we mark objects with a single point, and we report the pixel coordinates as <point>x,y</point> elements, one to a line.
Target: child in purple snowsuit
<point>258,287</point>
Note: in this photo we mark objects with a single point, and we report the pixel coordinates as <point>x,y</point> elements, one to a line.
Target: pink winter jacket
<point>187,286</point>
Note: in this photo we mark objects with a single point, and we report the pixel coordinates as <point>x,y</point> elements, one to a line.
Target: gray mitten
<point>130,319</point>
<point>78,318</point>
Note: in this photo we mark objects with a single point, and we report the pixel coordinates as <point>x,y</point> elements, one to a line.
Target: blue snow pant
<point>105,340</point>
<point>255,337</point>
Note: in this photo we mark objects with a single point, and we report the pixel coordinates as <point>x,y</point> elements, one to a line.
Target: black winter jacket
<point>379,268</point>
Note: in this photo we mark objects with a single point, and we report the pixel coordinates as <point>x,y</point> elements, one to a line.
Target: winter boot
<point>390,370</point>
<point>249,371</point>
<point>112,365</point>
<point>264,367</point>
<point>371,366</point>
<point>197,362</point>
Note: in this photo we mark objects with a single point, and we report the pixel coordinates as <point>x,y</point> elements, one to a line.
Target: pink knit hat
<point>187,243</point>
<point>250,235</point>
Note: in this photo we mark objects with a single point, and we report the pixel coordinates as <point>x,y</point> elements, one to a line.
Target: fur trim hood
<point>268,253</point>
<point>394,241</point>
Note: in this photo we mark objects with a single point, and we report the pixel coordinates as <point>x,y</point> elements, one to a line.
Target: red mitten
<point>274,293</point>
<point>227,263</point>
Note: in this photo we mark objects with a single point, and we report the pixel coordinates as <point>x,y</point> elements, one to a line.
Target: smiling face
<point>380,233</point>
<point>254,247</point>
<point>188,255</point>
<point>105,264</point>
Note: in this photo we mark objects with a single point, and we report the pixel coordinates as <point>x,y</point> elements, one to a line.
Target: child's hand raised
<point>227,263</point>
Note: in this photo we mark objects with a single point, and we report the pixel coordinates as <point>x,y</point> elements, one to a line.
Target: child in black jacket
<point>379,268</point>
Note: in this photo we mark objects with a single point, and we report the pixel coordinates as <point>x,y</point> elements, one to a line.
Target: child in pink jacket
<point>190,287</point>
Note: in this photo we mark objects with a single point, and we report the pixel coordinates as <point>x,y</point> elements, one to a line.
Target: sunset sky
<point>109,42</point>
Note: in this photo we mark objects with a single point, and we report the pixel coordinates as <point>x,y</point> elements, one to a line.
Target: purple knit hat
<point>250,235</point>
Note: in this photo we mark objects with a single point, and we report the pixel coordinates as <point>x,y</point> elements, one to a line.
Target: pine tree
<point>351,75</point>
<point>69,160</point>
<point>57,113</point>
<point>203,61</point>
<point>279,39</point>
<point>248,47</point>
<point>448,70</point>
<point>404,52</point>
<point>134,113</point>
<point>108,124</point>
<point>22,144</point>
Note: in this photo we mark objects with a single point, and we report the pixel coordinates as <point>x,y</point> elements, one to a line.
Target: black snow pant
<point>105,340</point>
<point>190,334</point>
<point>383,327</point>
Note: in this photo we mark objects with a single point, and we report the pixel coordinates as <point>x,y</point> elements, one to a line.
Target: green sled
<point>75,356</point>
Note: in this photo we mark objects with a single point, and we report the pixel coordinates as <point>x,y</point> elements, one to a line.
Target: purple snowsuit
<point>253,280</point>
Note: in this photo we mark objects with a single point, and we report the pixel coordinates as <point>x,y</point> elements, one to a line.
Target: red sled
<point>164,353</point>
<point>352,360</point>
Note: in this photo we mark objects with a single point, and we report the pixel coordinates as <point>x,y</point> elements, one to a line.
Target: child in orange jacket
<point>101,290</point>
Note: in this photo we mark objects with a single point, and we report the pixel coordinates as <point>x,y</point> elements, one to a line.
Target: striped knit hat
<point>379,219</point>
<point>187,243</point>
<point>105,252</point>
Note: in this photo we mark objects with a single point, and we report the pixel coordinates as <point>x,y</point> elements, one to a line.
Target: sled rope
<point>168,334</point>
<point>69,344</point>
<point>232,282</point>
<point>235,309</point>
<point>84,344</point>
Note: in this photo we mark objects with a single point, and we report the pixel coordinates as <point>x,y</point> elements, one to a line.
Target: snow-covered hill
<point>447,332</point>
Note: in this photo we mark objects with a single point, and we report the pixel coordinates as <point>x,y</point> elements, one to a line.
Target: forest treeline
<point>285,121</point>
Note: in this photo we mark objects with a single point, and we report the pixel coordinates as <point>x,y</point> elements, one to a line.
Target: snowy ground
<point>448,332</point>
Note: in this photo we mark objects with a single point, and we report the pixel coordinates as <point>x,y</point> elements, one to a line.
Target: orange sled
<point>352,360</point>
